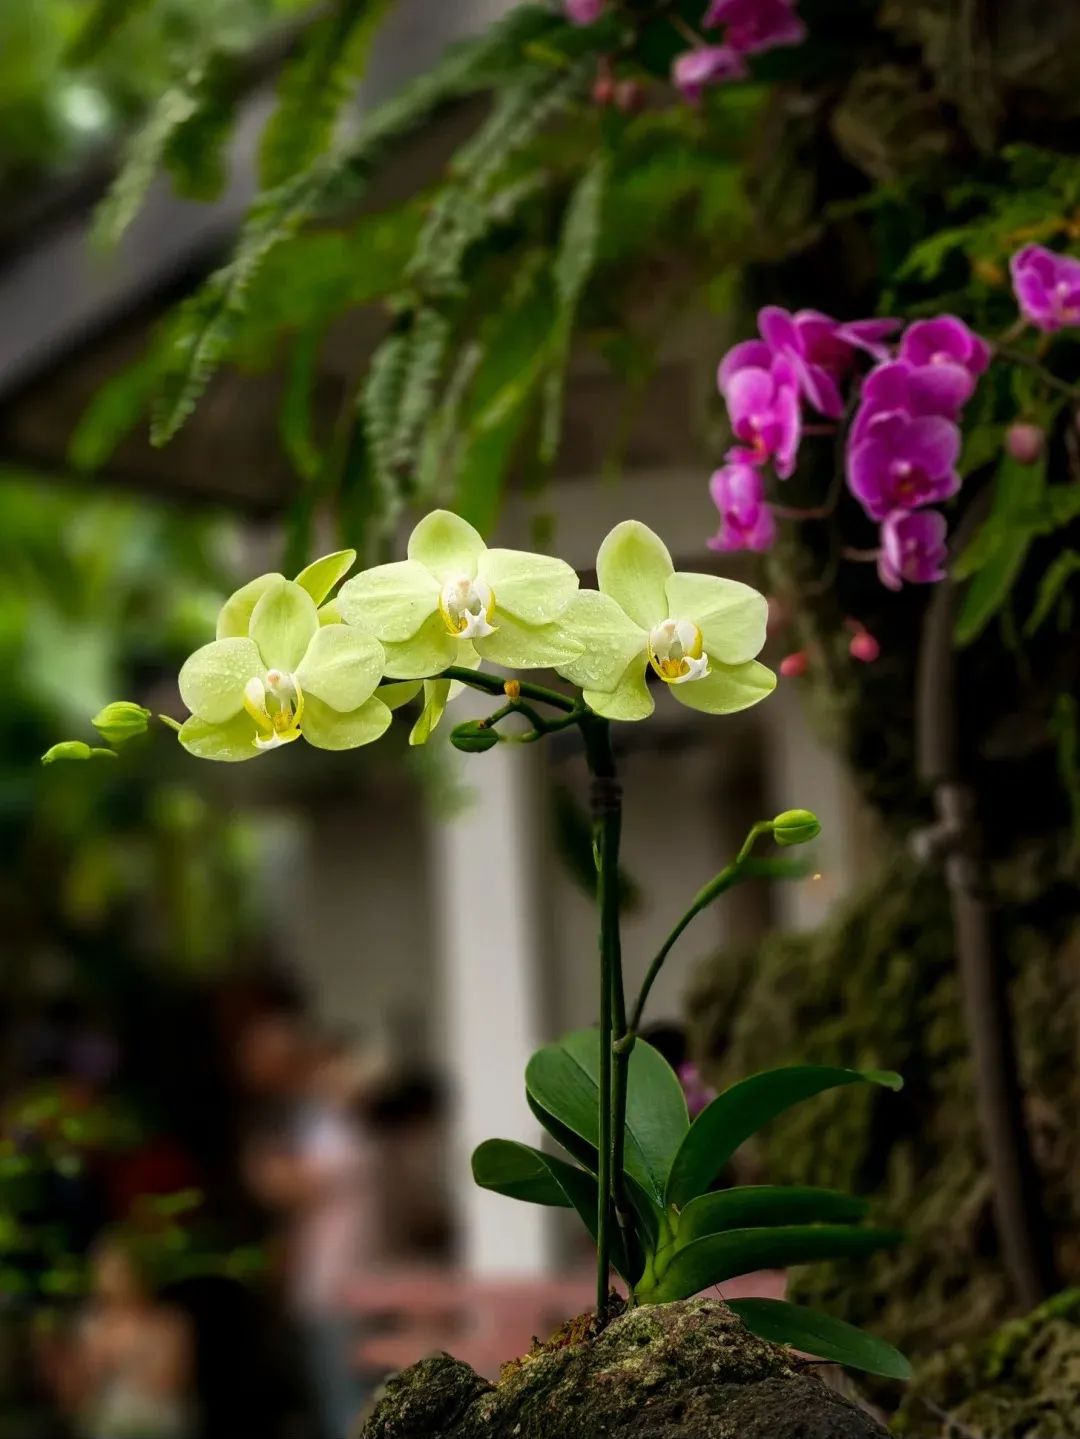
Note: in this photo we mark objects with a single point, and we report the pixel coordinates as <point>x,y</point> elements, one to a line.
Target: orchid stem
<point>496,685</point>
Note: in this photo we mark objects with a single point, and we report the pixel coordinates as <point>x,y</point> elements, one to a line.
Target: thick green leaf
<point>820,1335</point>
<point>519,1172</point>
<point>757,1205</point>
<point>741,1111</point>
<point>563,1078</point>
<point>717,1257</point>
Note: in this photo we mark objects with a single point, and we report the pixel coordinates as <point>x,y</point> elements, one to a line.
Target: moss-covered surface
<point>688,1369</point>
<point>1021,1383</point>
<point>877,987</point>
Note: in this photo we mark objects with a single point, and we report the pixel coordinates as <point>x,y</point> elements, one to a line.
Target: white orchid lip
<point>276,704</point>
<point>677,652</point>
<point>467,607</point>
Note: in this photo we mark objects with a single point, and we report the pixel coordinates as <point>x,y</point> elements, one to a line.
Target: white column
<point>486,918</point>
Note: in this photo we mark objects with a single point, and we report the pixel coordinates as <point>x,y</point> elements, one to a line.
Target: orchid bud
<point>864,647</point>
<point>1024,442</point>
<point>74,749</point>
<point>794,666</point>
<point>122,720</point>
<point>473,737</point>
<point>795,826</point>
<point>603,90</point>
<point>629,96</point>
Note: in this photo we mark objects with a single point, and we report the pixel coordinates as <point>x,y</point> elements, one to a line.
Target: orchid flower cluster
<point>903,443</point>
<point>749,28</point>
<point>289,662</point>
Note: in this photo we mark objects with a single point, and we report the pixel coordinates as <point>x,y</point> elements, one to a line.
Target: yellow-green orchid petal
<point>320,577</point>
<point>230,742</point>
<point>426,653</point>
<point>609,638</point>
<point>330,615</point>
<point>341,666</point>
<point>518,646</point>
<point>392,602</point>
<point>629,700</point>
<point>235,616</point>
<point>633,567</point>
<point>212,680</point>
<point>534,588</point>
<point>447,546</point>
<point>727,688</point>
<point>399,693</point>
<point>328,728</point>
<point>436,695</point>
<point>731,616</point>
<point>282,625</point>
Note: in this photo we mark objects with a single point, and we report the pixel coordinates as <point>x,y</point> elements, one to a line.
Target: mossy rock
<point>1023,1381</point>
<point>689,1369</point>
<point>876,987</point>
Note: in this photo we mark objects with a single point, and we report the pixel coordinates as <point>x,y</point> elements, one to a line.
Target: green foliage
<point>315,86</point>
<point>814,1333</point>
<point>685,1238</point>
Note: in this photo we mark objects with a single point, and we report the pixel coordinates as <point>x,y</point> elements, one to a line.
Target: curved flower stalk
<point>697,633</point>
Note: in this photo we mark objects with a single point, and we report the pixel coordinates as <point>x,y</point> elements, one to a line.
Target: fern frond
<point>429,340</point>
<point>210,317</point>
<point>575,259</point>
<point>380,404</point>
<point>315,86</point>
<point>194,152</point>
<point>143,156</point>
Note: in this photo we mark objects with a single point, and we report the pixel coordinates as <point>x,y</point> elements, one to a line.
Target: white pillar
<point>486,917</point>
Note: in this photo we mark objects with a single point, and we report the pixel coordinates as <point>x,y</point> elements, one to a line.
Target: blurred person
<point>127,1370</point>
<point>314,1166</point>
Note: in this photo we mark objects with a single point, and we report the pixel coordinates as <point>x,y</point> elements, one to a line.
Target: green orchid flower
<point>319,578</point>
<point>285,676</point>
<point>698,633</point>
<point>456,602</point>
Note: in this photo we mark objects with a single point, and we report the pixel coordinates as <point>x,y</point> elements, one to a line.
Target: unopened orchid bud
<point>75,749</point>
<point>473,737</point>
<point>629,96</point>
<point>794,666</point>
<point>122,720</point>
<point>604,88</point>
<point>864,647</point>
<point>1024,442</point>
<point>795,826</point>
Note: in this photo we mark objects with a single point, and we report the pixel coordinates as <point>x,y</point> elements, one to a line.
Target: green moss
<point>1022,1381</point>
<point>688,1369</point>
<point>877,987</point>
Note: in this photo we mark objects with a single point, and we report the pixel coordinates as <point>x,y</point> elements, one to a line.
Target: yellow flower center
<point>276,704</point>
<point>466,607</point>
<point>677,652</point>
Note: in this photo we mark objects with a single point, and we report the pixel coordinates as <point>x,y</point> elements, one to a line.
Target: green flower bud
<point>795,826</point>
<point>473,737</point>
<point>75,749</point>
<point>122,720</point>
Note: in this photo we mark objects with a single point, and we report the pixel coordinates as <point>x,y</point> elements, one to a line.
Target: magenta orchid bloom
<point>695,70</point>
<point>584,12</point>
<point>1047,287</point>
<point>756,25</point>
<point>820,350</point>
<point>912,390</point>
<point>913,548</point>
<point>949,356</point>
<point>764,409</point>
<point>746,521</point>
<point>903,462</point>
<point>697,1093</point>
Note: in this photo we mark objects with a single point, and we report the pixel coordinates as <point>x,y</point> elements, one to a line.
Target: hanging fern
<point>574,263</point>
<point>315,86</point>
<point>210,318</point>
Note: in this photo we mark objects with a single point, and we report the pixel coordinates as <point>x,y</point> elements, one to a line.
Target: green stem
<point>607,827</point>
<point>1021,357</point>
<point>740,868</point>
<point>496,685</point>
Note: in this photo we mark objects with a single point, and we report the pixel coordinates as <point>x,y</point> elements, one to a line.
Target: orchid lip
<point>467,607</point>
<point>677,653</point>
<point>276,704</point>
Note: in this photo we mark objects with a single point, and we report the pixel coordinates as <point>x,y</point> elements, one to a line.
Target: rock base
<point>690,1370</point>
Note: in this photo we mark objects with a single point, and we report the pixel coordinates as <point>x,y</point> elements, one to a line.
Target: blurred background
<point>252,1026</point>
